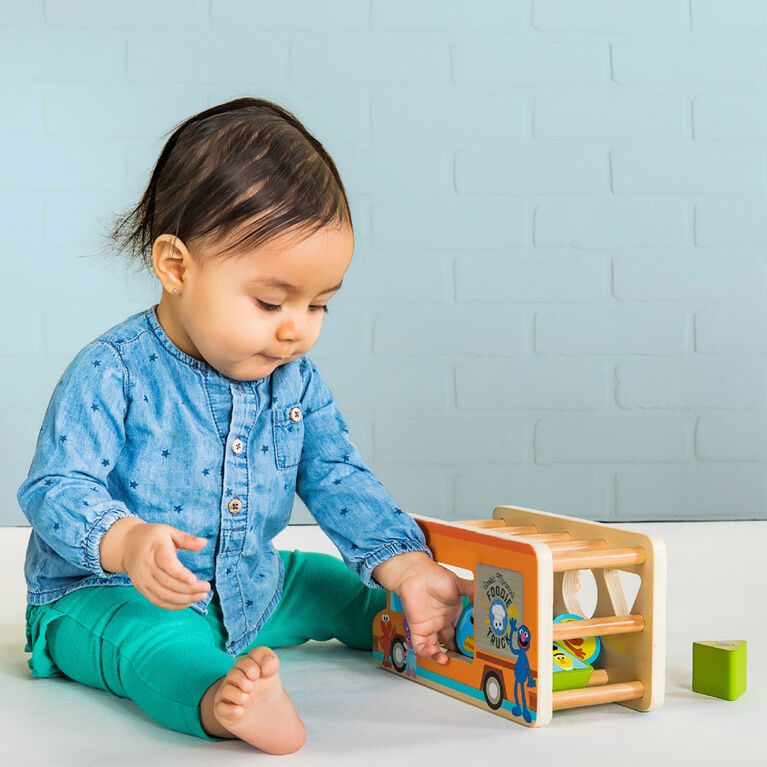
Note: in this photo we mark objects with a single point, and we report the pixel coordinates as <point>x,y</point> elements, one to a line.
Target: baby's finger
<point>180,587</point>
<point>434,652</point>
<point>465,587</point>
<point>167,561</point>
<point>153,595</point>
<point>424,645</point>
<point>183,579</point>
<point>173,597</point>
<point>447,637</point>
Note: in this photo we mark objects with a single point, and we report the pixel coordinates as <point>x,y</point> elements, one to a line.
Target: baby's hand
<point>432,603</point>
<point>149,558</point>
<point>431,598</point>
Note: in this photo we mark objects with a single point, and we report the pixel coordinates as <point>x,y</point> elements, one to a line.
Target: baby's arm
<point>66,496</point>
<point>345,497</point>
<point>378,540</point>
<point>431,598</point>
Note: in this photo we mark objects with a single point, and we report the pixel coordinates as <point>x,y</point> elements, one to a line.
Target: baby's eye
<point>276,307</point>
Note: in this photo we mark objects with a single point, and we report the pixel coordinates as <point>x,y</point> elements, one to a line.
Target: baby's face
<point>247,315</point>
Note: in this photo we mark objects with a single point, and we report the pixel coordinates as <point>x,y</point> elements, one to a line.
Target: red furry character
<point>387,634</point>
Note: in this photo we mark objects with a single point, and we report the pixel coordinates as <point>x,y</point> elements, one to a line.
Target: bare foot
<point>251,704</point>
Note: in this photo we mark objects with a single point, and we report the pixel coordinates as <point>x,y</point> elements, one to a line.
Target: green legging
<point>113,638</point>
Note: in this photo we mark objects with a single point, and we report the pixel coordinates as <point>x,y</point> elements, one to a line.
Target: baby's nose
<point>291,330</point>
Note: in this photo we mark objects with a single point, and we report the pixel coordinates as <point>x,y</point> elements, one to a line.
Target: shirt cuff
<point>387,552</point>
<point>96,533</point>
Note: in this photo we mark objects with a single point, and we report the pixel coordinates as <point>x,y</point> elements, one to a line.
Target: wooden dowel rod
<point>592,696</point>
<point>550,537</point>
<point>578,545</point>
<point>526,530</point>
<point>483,523</point>
<point>577,560</point>
<point>598,677</point>
<point>615,624</point>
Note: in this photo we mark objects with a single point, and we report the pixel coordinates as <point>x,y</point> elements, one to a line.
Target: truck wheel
<point>493,689</point>
<point>398,654</point>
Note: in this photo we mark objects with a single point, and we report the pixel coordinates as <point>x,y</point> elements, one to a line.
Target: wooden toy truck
<point>524,563</point>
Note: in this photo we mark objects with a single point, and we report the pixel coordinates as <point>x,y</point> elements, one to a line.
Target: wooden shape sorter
<point>524,564</point>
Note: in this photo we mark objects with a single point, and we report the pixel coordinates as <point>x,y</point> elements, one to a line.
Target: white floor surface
<point>359,714</point>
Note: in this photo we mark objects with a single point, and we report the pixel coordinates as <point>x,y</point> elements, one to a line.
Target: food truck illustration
<point>527,648</point>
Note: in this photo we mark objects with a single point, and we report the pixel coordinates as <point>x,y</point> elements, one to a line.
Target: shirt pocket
<point>288,426</point>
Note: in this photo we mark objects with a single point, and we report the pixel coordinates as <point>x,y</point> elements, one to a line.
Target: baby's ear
<point>172,261</point>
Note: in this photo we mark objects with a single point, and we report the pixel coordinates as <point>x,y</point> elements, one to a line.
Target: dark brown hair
<point>246,170</point>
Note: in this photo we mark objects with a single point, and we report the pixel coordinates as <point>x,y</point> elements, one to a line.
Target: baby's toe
<point>239,676</point>
<point>228,713</point>
<point>266,659</point>
<point>249,667</point>
<point>233,694</point>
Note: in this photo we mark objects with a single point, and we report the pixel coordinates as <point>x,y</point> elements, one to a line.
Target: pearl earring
<point>175,290</point>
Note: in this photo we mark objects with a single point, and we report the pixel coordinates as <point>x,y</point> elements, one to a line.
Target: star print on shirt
<point>96,363</point>
<point>317,467</point>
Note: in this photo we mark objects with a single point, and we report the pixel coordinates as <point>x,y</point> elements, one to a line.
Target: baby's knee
<point>323,574</point>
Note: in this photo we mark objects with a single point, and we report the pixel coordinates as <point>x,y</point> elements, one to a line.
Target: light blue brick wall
<point>557,297</point>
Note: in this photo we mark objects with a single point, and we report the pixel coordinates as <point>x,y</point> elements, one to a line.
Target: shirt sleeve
<point>349,503</point>
<point>65,496</point>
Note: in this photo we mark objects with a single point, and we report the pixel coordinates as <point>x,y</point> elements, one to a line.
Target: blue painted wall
<point>557,298</point>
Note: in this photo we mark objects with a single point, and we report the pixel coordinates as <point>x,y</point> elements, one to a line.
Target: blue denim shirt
<point>136,427</point>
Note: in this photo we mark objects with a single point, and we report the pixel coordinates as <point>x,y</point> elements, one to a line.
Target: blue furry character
<point>522,673</point>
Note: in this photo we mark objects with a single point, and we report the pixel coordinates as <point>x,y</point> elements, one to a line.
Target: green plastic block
<point>719,669</point>
<point>570,673</point>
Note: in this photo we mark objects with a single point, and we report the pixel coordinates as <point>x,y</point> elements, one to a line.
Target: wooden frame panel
<point>546,550</point>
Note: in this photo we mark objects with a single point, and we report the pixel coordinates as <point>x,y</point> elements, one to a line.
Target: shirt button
<point>235,505</point>
<point>237,446</point>
<point>295,414</point>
